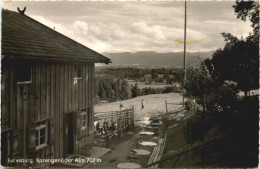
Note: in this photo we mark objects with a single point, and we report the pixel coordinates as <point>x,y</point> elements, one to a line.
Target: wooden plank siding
<point>25,102</point>
<point>70,84</point>
<point>61,112</point>
<point>4,100</point>
<point>32,96</point>
<point>89,92</point>
<point>73,90</point>
<point>57,111</point>
<point>87,86</point>
<point>42,112</point>
<point>13,119</point>
<point>83,86</point>
<point>52,109</point>
<point>48,91</point>
<point>19,119</point>
<point>52,94</point>
<point>66,72</point>
<point>92,79</point>
<point>38,92</point>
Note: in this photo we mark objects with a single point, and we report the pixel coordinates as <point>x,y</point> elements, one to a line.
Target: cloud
<point>81,27</point>
<point>152,31</point>
<point>51,24</point>
<point>135,26</point>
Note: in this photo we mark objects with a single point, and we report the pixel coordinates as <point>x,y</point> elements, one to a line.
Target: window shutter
<point>78,123</point>
<point>16,147</point>
<point>89,116</point>
<point>31,145</point>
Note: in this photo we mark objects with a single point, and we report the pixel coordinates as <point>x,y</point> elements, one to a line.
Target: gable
<point>26,38</point>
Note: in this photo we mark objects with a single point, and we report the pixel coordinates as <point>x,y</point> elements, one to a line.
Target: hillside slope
<point>154,59</point>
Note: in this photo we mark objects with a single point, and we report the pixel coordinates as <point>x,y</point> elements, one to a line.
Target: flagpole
<point>184,52</point>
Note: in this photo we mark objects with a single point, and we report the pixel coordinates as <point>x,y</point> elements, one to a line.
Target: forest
<point>112,82</point>
<point>215,84</point>
<point>140,74</point>
<point>114,89</point>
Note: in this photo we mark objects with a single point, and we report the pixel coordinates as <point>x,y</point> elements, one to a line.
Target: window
<point>23,74</point>
<point>83,124</point>
<point>83,120</point>
<point>41,135</point>
<point>77,73</point>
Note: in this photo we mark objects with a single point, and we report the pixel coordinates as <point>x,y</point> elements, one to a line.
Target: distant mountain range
<point>154,59</point>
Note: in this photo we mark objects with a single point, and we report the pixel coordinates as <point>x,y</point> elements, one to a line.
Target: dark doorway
<point>4,148</point>
<point>68,134</point>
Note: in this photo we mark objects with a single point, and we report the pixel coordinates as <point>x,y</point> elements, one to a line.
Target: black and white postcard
<point>130,84</point>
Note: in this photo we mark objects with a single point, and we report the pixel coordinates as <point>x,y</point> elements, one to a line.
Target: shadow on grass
<point>225,152</point>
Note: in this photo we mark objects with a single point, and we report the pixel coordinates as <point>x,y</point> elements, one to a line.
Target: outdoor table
<point>128,165</point>
<point>148,143</point>
<point>141,152</point>
<point>146,133</point>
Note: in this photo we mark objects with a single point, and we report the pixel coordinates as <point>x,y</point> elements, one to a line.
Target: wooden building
<point>47,90</point>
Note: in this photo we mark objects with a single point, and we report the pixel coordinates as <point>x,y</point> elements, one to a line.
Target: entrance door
<point>68,134</point>
<point>23,107</point>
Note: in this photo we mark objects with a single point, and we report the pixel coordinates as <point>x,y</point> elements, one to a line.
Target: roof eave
<point>46,58</point>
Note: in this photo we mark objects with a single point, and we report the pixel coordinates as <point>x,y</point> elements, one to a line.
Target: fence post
<point>117,119</point>
<point>127,120</point>
<point>133,116</point>
<point>166,106</point>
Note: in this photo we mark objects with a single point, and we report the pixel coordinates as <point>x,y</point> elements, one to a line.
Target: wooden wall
<point>53,93</point>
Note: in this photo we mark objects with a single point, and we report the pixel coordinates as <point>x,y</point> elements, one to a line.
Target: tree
<point>250,10</point>
<point>125,92</point>
<point>154,74</point>
<point>115,88</point>
<point>215,82</point>
<point>101,91</point>
<point>238,61</point>
<point>198,84</point>
<point>135,91</point>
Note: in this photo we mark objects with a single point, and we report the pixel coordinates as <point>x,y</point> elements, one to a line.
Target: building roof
<point>26,38</point>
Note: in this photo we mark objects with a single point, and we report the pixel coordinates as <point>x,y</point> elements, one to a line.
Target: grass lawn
<point>221,151</point>
<point>154,104</point>
<point>175,143</point>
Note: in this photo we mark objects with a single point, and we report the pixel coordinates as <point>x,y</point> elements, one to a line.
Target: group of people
<point>102,129</point>
<point>105,127</point>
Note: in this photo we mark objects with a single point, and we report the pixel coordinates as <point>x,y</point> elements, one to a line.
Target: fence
<point>157,152</point>
<point>124,118</point>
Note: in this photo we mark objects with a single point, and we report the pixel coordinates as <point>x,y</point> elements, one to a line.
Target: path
<point>118,154</point>
<point>154,105</point>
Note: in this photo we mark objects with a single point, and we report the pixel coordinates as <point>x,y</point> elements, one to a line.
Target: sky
<point>132,26</point>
